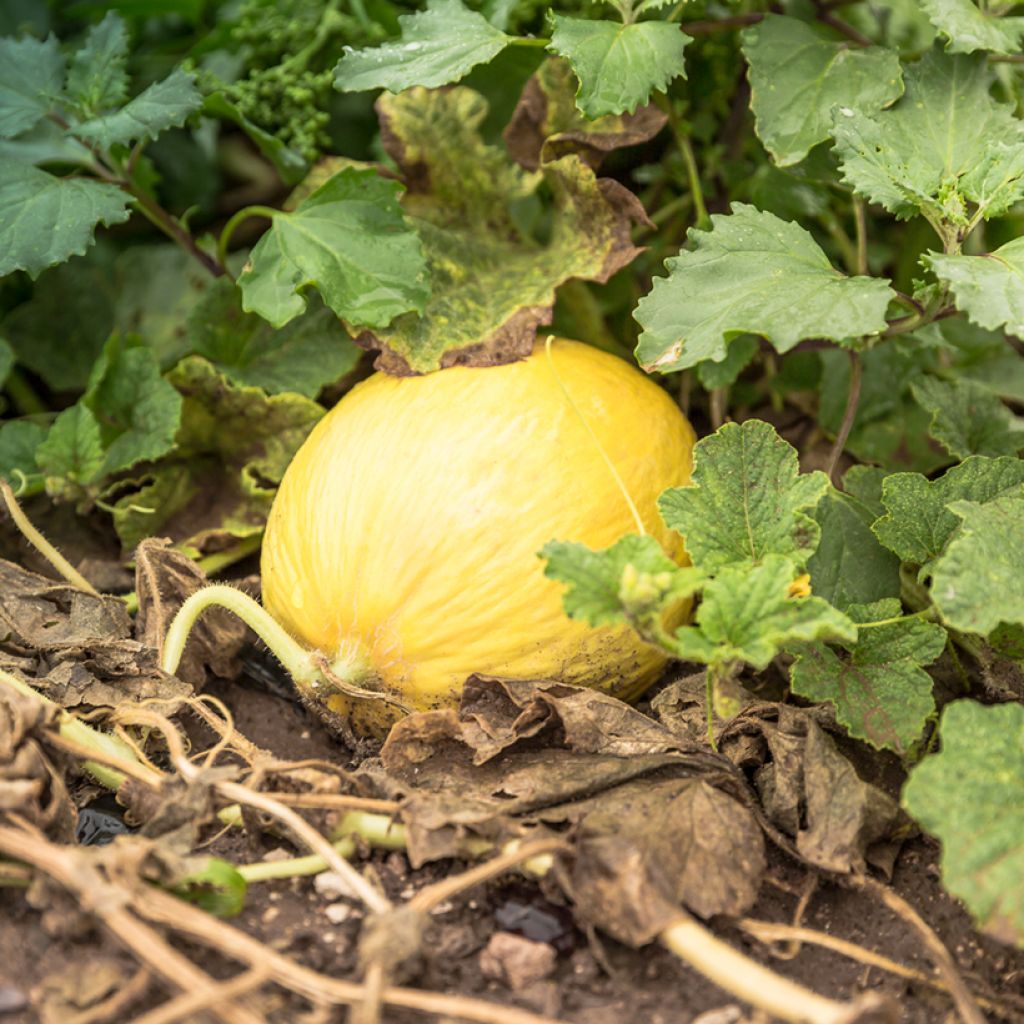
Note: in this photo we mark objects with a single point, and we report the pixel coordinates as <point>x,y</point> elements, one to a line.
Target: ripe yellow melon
<point>403,541</point>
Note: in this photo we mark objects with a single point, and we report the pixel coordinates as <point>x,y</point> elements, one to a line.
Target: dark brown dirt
<point>594,980</point>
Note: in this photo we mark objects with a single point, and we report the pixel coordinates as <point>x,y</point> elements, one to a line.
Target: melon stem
<point>297,661</point>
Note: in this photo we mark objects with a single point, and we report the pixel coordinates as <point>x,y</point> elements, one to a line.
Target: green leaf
<point>880,690</point>
<point>978,582</point>
<point>232,449</point>
<point>619,66</point>
<point>747,614</point>
<point>909,160</point>
<point>348,240</point>
<point>492,282</point>
<point>302,356</point>
<point>739,355</point>
<point>918,525</point>
<point>31,78</point>
<point>7,360</point>
<point>19,441</point>
<point>165,104</point>
<point>967,419</point>
<point>989,288</point>
<point>976,353</point>
<point>438,46</point>
<point>44,219</point>
<point>971,796</point>
<point>290,165</point>
<point>97,76</point>
<point>747,500</point>
<point>752,273</point>
<point>850,566</point>
<point>216,887</point>
<point>138,411</point>
<point>968,28</point>
<point>798,75</point>
<point>73,449</point>
<point>595,579</point>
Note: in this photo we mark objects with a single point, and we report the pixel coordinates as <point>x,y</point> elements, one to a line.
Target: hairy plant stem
<point>173,229</point>
<point>22,395</point>
<point>849,415</point>
<point>229,229</point>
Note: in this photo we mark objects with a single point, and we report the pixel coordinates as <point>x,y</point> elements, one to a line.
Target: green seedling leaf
<point>752,273</point>
<point>850,566</point>
<point>907,159</point>
<point>748,614</point>
<point>31,79</point>
<point>138,411</point>
<point>967,419</point>
<point>968,28</point>
<point>73,449</point>
<point>19,442</point>
<point>492,283</point>
<point>879,687</point>
<point>163,105</point>
<point>799,74</point>
<point>438,46</point>
<point>989,288</point>
<point>605,586</point>
<point>918,524</point>
<point>231,451</point>
<point>618,66</point>
<point>978,582</point>
<point>349,241</point>
<point>97,75</point>
<point>45,219</point>
<point>217,887</point>
<point>301,357</point>
<point>982,828</point>
<point>747,500</point>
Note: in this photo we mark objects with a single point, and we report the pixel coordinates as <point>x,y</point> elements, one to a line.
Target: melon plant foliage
<point>807,226</point>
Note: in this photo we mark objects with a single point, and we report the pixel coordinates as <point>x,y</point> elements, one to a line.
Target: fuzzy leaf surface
<point>747,614</point>
<point>162,105</point>
<point>945,142</point>
<point>879,687</point>
<point>968,28</point>
<point>349,241</point>
<point>799,74</point>
<point>752,273</point>
<point>978,582</point>
<point>438,46</point>
<point>618,66</point>
<point>45,219</point>
<point>73,449</point>
<point>97,76</point>
<point>747,500</point>
<point>967,419</point>
<point>989,288</point>
<point>31,78</point>
<point>918,525</point>
<point>982,830</point>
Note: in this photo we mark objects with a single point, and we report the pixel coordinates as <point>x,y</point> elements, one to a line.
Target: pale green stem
<point>294,867</point>
<point>297,661</point>
<point>229,229</point>
<point>924,613</point>
<point>63,567</point>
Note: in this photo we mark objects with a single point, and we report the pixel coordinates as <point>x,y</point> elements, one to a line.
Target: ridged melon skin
<point>404,537</point>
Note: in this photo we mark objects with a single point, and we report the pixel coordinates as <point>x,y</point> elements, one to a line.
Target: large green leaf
<point>947,142</point>
<point>989,288</point>
<point>97,76</point>
<point>19,442</point>
<point>165,104</point>
<point>618,66</point>
<point>31,78</point>
<point>798,75</point>
<point>978,582</point>
<point>492,282</point>
<point>967,419</point>
<point>747,500</point>
<point>971,796</point>
<point>349,241</point>
<point>438,46</point>
<point>918,525</point>
<point>45,219</point>
<point>752,273</point>
<point>969,28</point>
<point>880,689</point>
<point>73,449</point>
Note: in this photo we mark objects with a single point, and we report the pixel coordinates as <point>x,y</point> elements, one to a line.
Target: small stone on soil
<point>332,886</point>
<point>517,961</point>
<point>338,913</point>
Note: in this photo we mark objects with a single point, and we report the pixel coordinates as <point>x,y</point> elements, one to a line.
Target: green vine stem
<point>229,229</point>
